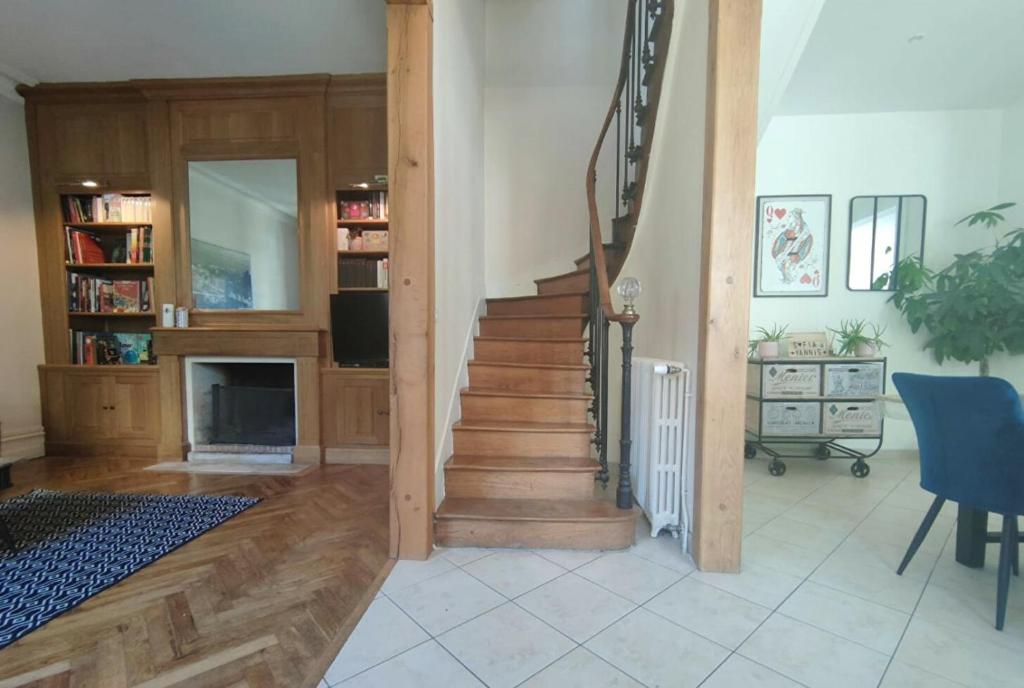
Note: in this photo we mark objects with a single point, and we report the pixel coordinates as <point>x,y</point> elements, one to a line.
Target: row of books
<point>89,294</point>
<point>135,246</point>
<point>362,272</point>
<point>111,348</point>
<point>108,208</point>
<point>376,208</point>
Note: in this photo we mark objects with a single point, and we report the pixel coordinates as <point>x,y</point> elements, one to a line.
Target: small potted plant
<point>766,342</point>
<point>853,339</point>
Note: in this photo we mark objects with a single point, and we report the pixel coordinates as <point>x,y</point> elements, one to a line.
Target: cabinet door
<point>355,411</point>
<point>134,407</point>
<point>86,407</point>
<point>107,141</point>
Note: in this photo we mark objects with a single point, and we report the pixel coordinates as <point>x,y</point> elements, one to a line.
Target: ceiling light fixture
<point>89,184</point>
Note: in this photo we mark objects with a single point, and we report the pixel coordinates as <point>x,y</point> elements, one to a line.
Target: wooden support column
<point>729,157</point>
<point>411,201</point>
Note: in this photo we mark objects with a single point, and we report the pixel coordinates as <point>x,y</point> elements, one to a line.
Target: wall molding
<point>9,80</point>
<point>22,443</point>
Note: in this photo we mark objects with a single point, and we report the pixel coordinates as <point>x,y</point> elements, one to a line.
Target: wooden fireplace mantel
<point>281,340</point>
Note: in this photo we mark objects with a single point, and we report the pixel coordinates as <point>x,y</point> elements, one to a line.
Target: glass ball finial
<point>629,288</point>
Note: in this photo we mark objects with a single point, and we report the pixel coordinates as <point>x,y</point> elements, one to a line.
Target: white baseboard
<point>22,443</point>
<point>454,412</point>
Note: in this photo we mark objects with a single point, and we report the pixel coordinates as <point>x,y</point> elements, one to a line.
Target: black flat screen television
<point>359,328</point>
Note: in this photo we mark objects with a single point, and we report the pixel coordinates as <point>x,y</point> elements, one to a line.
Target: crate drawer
<point>783,418</point>
<point>790,380</point>
<point>852,418</point>
<point>854,379</point>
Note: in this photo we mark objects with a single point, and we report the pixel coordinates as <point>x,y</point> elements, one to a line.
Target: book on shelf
<point>373,208</point>
<point>107,208</point>
<point>363,273</point>
<point>85,247</point>
<point>111,348</point>
<point>91,294</point>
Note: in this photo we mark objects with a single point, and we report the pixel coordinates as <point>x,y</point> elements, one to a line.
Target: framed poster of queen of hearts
<point>791,249</point>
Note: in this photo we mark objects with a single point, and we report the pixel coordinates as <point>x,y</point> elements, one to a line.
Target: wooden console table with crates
<point>817,402</point>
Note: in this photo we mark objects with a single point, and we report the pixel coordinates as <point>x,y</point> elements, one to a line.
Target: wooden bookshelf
<point>119,226</point>
<point>109,266</point>
<point>364,254</point>
<point>364,221</point>
<point>87,314</point>
<point>368,289</point>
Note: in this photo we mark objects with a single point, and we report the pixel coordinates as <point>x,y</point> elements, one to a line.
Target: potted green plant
<point>853,339</point>
<point>974,307</point>
<point>766,341</point>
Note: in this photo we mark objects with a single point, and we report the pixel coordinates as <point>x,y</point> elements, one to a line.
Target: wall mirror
<point>883,231</point>
<point>244,234</point>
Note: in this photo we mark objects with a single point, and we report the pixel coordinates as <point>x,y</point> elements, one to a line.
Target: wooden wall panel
<point>357,129</point>
<point>730,151</point>
<point>411,186</point>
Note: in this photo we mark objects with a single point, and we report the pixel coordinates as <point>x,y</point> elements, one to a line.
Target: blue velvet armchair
<point>970,433</point>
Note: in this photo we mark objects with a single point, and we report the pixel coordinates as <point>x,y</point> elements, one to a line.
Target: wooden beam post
<point>729,158</point>
<point>411,205</point>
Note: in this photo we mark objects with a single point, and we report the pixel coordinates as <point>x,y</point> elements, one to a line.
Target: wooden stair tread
<point>488,392</point>
<point>590,510</point>
<point>541,340</point>
<point>521,426</point>
<point>572,273</point>
<point>545,366</point>
<point>532,297</point>
<point>551,464</point>
<point>537,316</point>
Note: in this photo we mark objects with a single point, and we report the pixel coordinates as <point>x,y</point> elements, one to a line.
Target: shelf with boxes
<point>363,237</point>
<point>816,402</point>
<point>109,266</point>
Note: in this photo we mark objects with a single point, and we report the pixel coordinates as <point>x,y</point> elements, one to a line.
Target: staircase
<point>529,467</point>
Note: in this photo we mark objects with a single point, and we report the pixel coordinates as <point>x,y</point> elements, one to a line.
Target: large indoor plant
<point>974,307</point>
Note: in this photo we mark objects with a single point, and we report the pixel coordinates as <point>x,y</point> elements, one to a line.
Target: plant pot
<point>865,350</point>
<point>767,349</point>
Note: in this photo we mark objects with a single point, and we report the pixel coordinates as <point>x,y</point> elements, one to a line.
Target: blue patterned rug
<point>73,545</point>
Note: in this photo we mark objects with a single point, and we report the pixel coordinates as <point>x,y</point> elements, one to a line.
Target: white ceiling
<point>111,40</point>
<point>859,59</point>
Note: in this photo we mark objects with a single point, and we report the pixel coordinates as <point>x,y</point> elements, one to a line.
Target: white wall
<point>666,252</point>
<point>952,157</point>
<point>1011,169</point>
<point>458,207</point>
<point>551,68</point>
<point>22,347</point>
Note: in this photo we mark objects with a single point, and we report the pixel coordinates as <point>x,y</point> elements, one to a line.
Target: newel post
<point>629,289</point>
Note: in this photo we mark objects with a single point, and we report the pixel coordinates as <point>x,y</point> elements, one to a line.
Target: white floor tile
<point>657,652</point>
<point>575,606</point>
<point>816,537</point>
<point>629,576</point>
<point>581,669</point>
<point>762,550</point>
<point>506,646</point>
<point>569,559</point>
<point>853,618</point>
<point>814,657</point>
<point>957,656</point>
<point>460,556</point>
<point>740,672</point>
<point>424,666</point>
<point>763,586</point>
<point>663,550</point>
<point>406,573</point>
<point>902,675</point>
<point>513,572</point>
<point>443,602</point>
<point>872,582</point>
<point>713,613</point>
<point>383,632</point>
<point>975,614</point>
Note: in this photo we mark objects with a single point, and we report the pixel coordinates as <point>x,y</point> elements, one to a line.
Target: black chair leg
<point>922,533</point>
<point>6,537</point>
<point>1007,545</point>
<point>1015,560</point>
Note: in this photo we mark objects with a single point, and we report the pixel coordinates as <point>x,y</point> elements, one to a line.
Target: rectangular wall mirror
<point>883,231</point>
<point>244,234</point>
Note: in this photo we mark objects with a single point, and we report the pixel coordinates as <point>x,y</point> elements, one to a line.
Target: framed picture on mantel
<point>791,249</point>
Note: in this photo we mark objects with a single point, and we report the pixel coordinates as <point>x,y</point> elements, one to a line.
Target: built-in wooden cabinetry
<point>137,137</point>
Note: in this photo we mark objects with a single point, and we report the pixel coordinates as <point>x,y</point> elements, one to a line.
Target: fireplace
<point>241,408</point>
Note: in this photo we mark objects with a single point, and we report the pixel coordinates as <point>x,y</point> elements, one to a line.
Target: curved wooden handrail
<point>596,241</point>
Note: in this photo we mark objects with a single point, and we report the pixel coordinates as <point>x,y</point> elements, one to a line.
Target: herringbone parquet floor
<point>263,600</point>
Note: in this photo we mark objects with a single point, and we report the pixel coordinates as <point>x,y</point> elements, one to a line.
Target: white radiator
<point>659,431</point>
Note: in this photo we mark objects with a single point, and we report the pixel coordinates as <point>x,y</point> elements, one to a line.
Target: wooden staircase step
<point>565,378</point>
<point>612,251</point>
<point>568,283</point>
<point>485,405</point>
<point>520,350</point>
<point>532,326</point>
<point>520,438</point>
<point>520,477</point>
<point>534,523</point>
<point>539,304</point>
